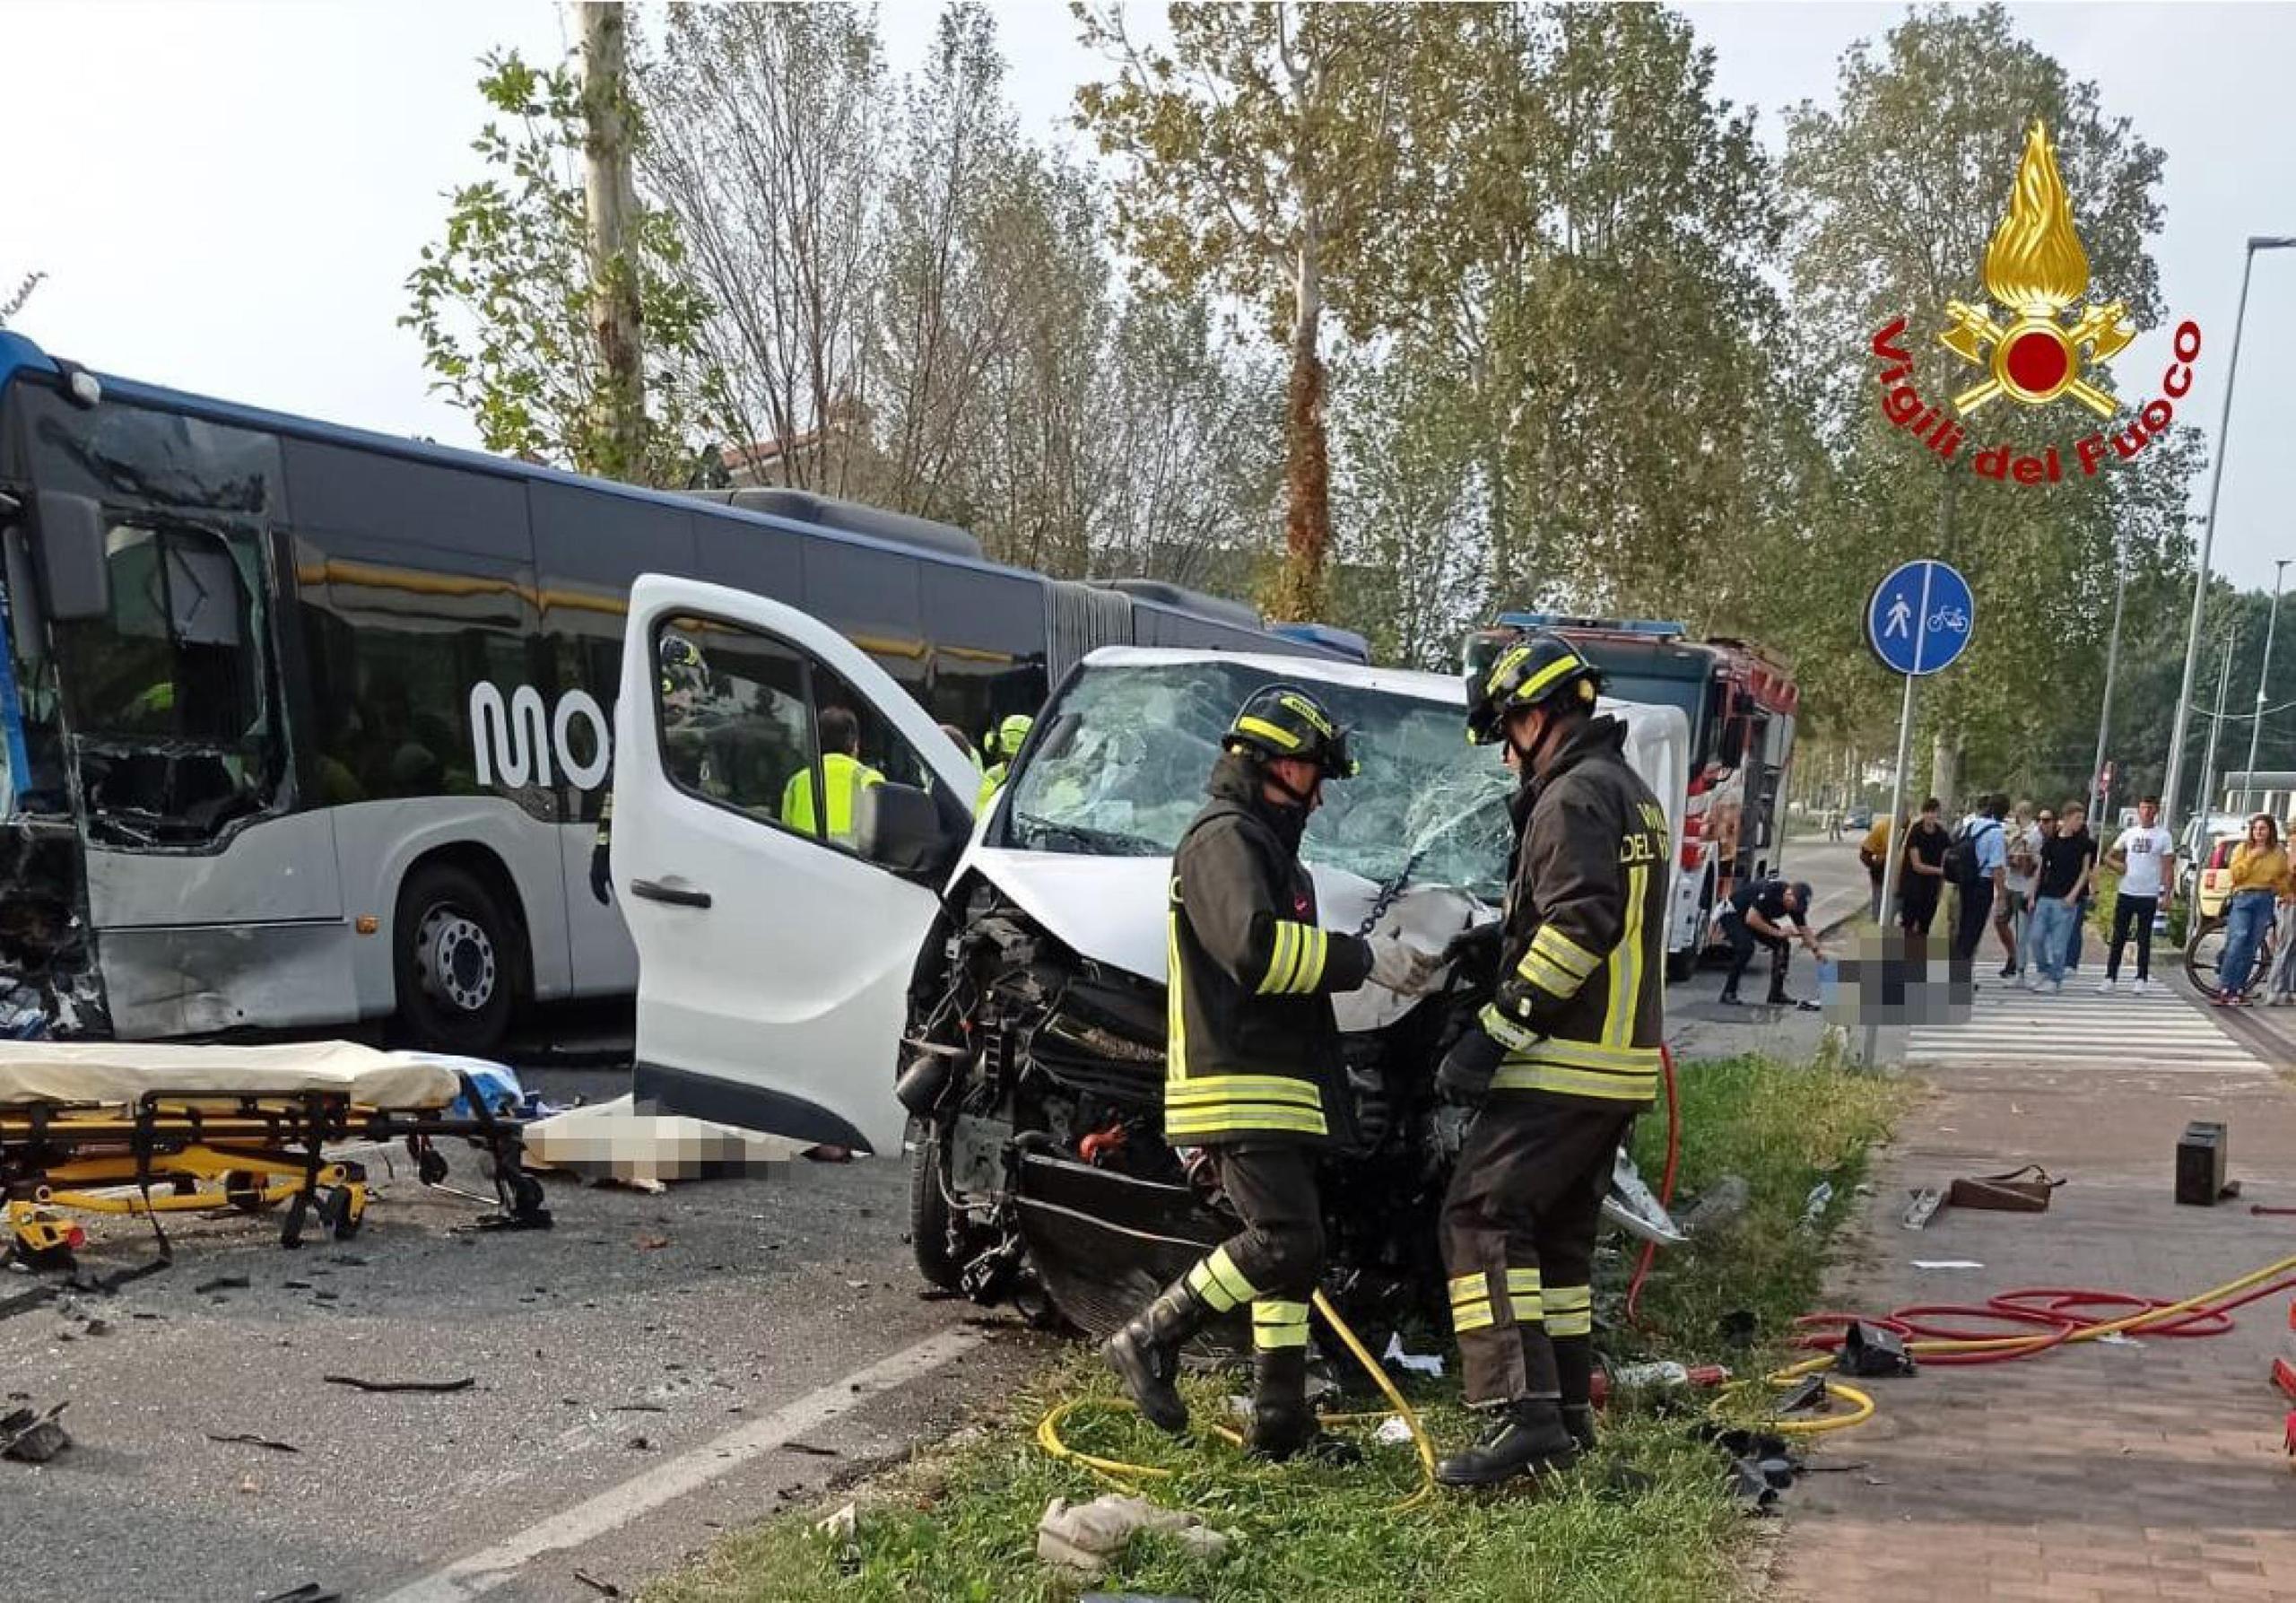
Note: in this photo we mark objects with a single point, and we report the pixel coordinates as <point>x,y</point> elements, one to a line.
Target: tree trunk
<point>618,444</point>
<point>1307,468</point>
<point>1946,770</point>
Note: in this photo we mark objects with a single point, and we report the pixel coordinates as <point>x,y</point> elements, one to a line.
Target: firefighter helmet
<point>1005,740</point>
<point>682,668</point>
<point>1539,668</point>
<point>1283,721</point>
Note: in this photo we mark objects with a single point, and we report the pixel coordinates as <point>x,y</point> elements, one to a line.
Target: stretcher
<point>143,1130</point>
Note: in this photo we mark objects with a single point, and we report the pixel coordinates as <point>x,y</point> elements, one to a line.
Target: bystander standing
<point>2068,862</point>
<point>2010,918</point>
<point>1921,874</point>
<point>2144,857</point>
<point>1873,851</point>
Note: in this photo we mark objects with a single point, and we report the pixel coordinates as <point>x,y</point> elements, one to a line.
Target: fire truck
<point>1741,701</point>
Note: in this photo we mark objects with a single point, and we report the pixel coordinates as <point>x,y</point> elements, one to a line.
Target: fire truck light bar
<point>1649,626</point>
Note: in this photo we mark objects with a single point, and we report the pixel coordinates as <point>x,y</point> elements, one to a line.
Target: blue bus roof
<point>1329,636</point>
<point>19,353</point>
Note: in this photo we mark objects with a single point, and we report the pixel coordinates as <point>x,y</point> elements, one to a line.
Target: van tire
<point>454,961</point>
<point>928,1210</point>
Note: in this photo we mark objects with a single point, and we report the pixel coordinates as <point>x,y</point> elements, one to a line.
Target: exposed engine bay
<point>1040,1171</point>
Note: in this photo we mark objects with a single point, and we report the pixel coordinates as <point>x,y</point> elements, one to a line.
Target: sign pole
<point>1897,843</point>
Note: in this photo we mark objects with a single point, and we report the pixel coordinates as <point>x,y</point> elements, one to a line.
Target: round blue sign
<point>1920,617</point>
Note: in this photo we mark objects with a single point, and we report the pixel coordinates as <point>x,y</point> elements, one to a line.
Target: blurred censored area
<point>1896,980</point>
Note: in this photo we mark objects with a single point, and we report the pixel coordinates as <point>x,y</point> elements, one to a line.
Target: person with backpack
<point>1921,877</point>
<point>1977,866</point>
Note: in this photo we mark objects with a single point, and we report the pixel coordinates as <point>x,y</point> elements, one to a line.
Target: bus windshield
<point>164,704</point>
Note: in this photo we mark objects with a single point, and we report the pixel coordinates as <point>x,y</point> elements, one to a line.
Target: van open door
<point>783,817</point>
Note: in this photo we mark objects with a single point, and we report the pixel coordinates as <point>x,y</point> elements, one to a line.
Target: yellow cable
<point>1123,1475</point>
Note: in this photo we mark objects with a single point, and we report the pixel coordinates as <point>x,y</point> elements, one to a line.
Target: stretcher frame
<point>191,1151</point>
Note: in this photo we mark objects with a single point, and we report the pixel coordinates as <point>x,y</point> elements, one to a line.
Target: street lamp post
<point>2215,728</point>
<point>2112,665</point>
<point>2208,537</point>
<point>2256,728</point>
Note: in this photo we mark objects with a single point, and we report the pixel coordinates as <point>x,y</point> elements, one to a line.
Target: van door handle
<point>676,896</point>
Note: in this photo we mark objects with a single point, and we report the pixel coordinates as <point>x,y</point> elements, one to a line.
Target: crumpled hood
<point>1112,909</point>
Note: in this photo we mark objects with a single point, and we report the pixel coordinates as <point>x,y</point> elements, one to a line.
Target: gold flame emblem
<point>2035,268</point>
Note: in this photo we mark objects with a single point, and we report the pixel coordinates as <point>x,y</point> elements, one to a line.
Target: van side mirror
<point>899,828</point>
<point>75,575</point>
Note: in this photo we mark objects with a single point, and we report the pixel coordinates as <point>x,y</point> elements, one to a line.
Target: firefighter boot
<point>1524,1438</point>
<point>1145,1355</point>
<point>1283,1427</point>
<point>1574,1363</point>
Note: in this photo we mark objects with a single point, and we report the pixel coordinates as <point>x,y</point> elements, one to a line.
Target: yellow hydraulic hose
<point>1121,1474</point>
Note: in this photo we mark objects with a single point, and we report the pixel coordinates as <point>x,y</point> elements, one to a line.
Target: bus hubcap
<point>457,960</point>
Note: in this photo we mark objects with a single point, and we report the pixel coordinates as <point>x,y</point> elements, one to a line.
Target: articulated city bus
<point>305,725</point>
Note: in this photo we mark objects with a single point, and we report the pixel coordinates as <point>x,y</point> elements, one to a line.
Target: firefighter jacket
<point>1583,937</point>
<point>1252,1050</point>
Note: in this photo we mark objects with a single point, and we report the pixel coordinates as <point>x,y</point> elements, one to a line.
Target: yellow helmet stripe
<point>1545,677</point>
<point>1267,731</point>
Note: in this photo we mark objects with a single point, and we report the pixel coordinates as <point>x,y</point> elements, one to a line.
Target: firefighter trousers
<point>1518,1243</point>
<point>1276,1260</point>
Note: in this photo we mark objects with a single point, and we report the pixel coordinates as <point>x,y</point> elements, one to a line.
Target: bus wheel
<point>453,960</point>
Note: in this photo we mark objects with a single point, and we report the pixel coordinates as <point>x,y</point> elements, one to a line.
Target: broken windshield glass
<point>1122,767</point>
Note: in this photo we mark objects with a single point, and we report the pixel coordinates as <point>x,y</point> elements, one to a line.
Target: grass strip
<point>1649,1518</point>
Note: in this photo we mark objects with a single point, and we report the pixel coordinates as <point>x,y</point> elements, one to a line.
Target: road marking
<point>2161,1032</point>
<point>481,1571</point>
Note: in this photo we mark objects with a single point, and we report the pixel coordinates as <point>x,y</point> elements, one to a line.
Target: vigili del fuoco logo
<point>2038,350</point>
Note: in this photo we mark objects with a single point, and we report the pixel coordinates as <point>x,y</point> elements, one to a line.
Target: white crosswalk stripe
<point>2161,1032</point>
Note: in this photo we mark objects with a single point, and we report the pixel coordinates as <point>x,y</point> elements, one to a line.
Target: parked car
<point>995,1000</point>
<point>1858,818</point>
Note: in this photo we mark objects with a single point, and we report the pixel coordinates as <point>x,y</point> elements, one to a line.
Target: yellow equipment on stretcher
<point>144,1130</point>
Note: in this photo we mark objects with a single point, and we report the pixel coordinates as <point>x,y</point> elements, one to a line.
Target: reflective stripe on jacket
<point>1579,1004</point>
<point>991,780</point>
<point>1252,1049</point>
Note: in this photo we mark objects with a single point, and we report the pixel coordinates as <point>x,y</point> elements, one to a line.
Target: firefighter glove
<point>1402,968</point>
<point>1465,1077</point>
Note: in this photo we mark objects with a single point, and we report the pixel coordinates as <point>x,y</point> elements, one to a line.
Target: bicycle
<point>2204,957</point>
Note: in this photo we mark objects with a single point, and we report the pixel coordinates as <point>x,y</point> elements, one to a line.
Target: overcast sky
<point>227,197</point>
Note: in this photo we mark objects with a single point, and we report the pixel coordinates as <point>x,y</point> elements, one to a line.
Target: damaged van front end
<point>1033,1069</point>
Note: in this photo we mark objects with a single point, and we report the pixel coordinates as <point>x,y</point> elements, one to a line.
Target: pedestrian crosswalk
<point>2165,1031</point>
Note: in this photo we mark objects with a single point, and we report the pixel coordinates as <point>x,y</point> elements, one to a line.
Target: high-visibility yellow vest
<point>843,779</point>
<point>991,780</point>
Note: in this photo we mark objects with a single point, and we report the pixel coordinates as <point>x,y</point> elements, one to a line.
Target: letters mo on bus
<point>513,741</point>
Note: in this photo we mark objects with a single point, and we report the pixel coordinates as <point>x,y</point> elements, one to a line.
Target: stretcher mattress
<point>118,1073</point>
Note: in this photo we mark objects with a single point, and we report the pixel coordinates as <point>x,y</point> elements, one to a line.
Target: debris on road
<point>251,1439</point>
<point>462,1383</point>
<point>1923,1207</point>
<point>1085,1537</point>
<point>1418,1364</point>
<point>31,1437</point>
<point>222,1283</point>
<point>605,1588</point>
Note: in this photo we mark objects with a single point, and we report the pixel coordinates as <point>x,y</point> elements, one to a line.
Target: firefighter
<point>1004,745</point>
<point>1253,1065</point>
<point>1560,1061</point>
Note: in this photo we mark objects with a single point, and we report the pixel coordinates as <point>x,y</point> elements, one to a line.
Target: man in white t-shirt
<point>2144,857</point>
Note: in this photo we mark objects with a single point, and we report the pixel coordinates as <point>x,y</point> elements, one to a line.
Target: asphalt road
<point>651,1371</point>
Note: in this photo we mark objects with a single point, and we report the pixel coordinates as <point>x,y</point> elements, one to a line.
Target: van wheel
<point>1680,966</point>
<point>928,1210</point>
<point>455,962</point>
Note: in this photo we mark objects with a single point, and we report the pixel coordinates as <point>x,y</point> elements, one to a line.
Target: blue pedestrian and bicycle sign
<point>1920,617</point>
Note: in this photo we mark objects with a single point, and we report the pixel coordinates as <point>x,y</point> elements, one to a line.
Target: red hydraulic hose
<point>2056,1312</point>
<point>1666,1181</point>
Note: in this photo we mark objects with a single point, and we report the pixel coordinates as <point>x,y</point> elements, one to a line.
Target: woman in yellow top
<point>2260,878</point>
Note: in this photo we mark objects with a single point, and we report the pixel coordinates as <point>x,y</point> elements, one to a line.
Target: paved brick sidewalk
<point>2101,1471</point>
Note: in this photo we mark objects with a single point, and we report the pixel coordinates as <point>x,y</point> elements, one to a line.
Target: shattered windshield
<point>1126,750</point>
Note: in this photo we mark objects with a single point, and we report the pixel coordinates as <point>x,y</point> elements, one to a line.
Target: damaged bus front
<point>138,690</point>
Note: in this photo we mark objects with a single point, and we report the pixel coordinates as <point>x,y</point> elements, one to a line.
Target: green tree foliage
<point>503,302</point>
<point>1254,158</point>
<point>1576,250</point>
<point>1895,191</point>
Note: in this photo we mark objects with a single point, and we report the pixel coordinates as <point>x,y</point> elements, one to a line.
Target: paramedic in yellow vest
<point>843,778</point>
<point>1003,743</point>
